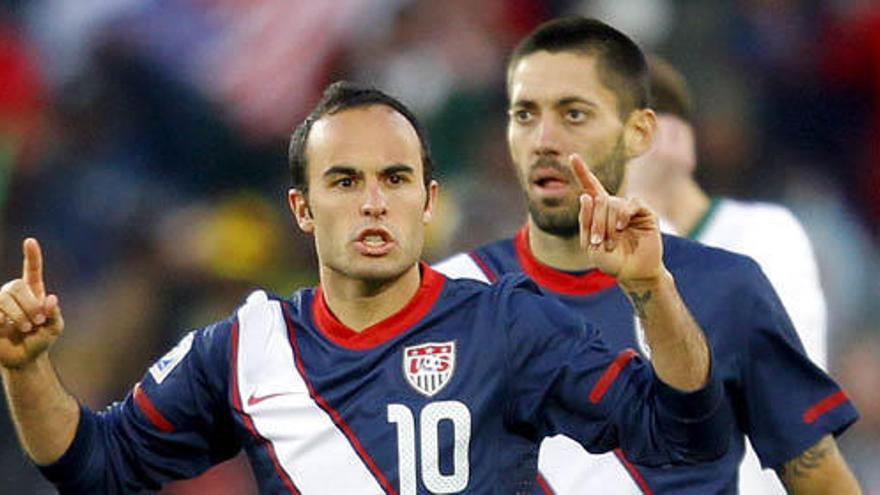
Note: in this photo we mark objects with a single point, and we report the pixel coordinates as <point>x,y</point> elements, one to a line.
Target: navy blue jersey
<point>452,394</point>
<point>783,402</point>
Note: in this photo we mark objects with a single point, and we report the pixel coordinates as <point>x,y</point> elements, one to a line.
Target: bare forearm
<point>818,470</point>
<point>679,352</point>
<point>45,415</point>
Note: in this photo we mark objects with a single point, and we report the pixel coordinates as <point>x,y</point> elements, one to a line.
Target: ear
<point>431,201</point>
<point>299,206</point>
<point>639,132</point>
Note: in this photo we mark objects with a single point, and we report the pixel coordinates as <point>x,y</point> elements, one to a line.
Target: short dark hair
<point>621,64</point>
<point>669,90</point>
<point>344,95</point>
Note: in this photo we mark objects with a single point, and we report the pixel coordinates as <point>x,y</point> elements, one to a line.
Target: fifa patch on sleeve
<point>166,364</point>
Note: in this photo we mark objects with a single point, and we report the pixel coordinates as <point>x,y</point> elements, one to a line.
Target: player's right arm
<point>45,415</point>
<point>565,380</point>
<point>174,425</point>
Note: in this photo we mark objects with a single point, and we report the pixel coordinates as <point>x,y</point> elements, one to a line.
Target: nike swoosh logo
<point>253,400</point>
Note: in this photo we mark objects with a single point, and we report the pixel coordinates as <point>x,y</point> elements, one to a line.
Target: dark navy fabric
<point>524,368</point>
<point>766,375</point>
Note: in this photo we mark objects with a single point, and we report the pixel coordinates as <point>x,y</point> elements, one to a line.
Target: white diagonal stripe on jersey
<point>310,448</point>
<point>461,266</point>
<point>601,473</point>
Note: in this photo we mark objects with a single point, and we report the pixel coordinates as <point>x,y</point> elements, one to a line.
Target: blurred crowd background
<point>144,144</point>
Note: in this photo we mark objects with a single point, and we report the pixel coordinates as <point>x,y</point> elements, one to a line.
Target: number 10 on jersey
<point>426,436</point>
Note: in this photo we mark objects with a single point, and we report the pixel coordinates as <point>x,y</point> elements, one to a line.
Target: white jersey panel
<point>461,266</point>
<point>601,473</point>
<point>276,397</point>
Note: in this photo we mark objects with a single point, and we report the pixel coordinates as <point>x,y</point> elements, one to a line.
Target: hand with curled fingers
<point>620,236</point>
<point>30,320</point>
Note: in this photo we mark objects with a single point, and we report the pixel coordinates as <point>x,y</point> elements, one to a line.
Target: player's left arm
<point>792,408</point>
<point>622,238</point>
<point>819,469</point>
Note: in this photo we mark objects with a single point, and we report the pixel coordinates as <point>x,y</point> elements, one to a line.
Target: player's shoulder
<point>705,269</point>
<point>504,285</point>
<point>680,253</point>
<point>486,262</point>
<point>257,303</point>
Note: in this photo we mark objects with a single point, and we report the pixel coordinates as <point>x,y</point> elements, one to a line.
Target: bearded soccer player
<point>577,86</point>
<point>388,377</point>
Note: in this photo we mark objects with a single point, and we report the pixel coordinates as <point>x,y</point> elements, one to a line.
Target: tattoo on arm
<point>640,301</point>
<point>809,460</point>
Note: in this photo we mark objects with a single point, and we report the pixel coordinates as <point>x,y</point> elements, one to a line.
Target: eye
<point>397,179</point>
<point>521,115</point>
<point>344,183</point>
<point>574,115</point>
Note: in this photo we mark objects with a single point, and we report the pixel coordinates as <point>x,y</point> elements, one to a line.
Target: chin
<point>377,270</point>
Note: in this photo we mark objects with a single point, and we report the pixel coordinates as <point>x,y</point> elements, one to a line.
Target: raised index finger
<point>585,177</point>
<point>32,269</point>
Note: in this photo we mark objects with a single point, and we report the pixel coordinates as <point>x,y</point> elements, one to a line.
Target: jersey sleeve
<point>565,380</point>
<point>173,425</point>
<point>790,265</point>
<point>789,402</point>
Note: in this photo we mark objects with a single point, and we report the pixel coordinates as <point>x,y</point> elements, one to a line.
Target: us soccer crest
<point>429,367</point>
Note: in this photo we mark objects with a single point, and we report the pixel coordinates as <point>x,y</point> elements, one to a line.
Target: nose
<point>375,203</point>
<point>547,137</point>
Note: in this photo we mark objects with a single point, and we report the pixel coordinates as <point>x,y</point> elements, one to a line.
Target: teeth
<point>374,240</point>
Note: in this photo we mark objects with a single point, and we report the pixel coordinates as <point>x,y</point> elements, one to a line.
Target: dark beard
<point>565,222</point>
<point>559,223</point>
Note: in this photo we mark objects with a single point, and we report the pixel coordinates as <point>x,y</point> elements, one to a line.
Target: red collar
<point>555,280</point>
<point>409,315</point>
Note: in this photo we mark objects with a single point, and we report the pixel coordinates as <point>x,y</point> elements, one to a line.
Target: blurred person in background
<point>768,233</point>
<point>577,85</point>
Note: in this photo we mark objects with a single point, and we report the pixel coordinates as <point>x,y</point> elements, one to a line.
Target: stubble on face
<point>559,216</point>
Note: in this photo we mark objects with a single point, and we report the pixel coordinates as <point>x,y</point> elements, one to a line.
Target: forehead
<point>362,137</point>
<point>546,78</point>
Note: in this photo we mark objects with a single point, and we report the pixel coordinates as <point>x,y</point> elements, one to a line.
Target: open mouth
<point>374,242</point>
<point>549,179</point>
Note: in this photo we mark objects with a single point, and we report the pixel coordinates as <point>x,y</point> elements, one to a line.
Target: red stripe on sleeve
<point>153,414</point>
<point>607,379</point>
<point>823,406</point>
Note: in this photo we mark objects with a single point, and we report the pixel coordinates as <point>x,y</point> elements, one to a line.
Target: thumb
<point>32,268</point>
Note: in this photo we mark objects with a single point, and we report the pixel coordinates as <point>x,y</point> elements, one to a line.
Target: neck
<point>359,304</point>
<point>561,253</point>
<point>687,206</point>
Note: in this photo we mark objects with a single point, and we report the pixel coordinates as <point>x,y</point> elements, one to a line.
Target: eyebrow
<point>398,168</point>
<point>568,100</point>
<point>340,170</point>
<point>564,101</point>
<point>352,171</point>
